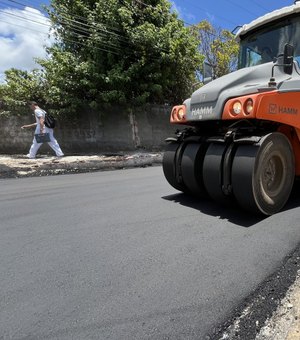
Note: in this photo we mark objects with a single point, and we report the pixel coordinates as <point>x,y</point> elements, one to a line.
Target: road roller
<point>237,138</point>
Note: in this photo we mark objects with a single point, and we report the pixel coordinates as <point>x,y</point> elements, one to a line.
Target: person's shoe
<point>30,157</point>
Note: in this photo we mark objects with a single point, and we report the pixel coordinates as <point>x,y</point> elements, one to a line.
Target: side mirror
<point>207,72</point>
<point>288,58</point>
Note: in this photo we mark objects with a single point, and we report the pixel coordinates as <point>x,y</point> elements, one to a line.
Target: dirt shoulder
<point>272,311</point>
<point>17,166</point>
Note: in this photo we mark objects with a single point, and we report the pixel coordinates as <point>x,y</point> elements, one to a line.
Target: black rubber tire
<point>263,175</point>
<point>191,168</point>
<point>169,166</point>
<point>213,171</point>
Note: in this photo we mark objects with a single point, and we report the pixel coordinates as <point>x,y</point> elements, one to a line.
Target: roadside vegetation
<point>119,52</point>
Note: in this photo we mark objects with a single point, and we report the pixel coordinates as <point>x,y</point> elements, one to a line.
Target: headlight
<point>180,114</point>
<point>249,106</point>
<point>237,108</point>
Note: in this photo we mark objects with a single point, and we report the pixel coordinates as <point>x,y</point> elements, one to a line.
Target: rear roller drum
<point>171,166</point>
<point>191,168</point>
<point>263,174</point>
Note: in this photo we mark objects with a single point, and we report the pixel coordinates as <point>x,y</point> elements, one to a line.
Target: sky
<point>226,14</point>
<point>24,26</point>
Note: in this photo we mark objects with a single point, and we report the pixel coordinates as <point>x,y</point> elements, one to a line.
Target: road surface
<point>122,255</point>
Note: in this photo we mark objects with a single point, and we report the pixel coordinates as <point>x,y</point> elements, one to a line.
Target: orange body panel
<point>273,106</point>
<point>280,107</point>
<point>228,112</point>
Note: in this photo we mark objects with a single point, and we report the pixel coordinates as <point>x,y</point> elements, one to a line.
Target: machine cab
<point>263,40</point>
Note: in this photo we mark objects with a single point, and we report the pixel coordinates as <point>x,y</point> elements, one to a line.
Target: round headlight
<point>249,106</point>
<point>237,108</point>
<point>180,114</point>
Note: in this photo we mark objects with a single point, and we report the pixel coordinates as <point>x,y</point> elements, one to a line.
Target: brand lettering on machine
<point>202,111</point>
<point>274,108</point>
<point>289,110</point>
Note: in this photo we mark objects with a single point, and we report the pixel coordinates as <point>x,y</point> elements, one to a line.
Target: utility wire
<point>83,20</point>
<point>30,5</point>
<point>22,18</point>
<point>67,39</point>
<point>49,26</point>
<point>151,6</point>
<point>243,8</point>
<point>84,26</point>
<point>259,5</point>
<point>217,16</point>
<point>67,20</point>
<point>26,27</point>
<point>84,30</point>
<point>81,32</point>
<point>109,48</point>
<point>75,31</point>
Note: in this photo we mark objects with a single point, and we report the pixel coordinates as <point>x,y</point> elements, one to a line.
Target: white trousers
<point>53,144</point>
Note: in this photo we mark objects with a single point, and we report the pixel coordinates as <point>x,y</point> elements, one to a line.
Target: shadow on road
<point>210,207</point>
<point>294,200</point>
<point>232,213</point>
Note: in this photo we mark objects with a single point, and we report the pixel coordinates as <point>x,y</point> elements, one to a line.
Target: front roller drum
<point>191,168</point>
<point>214,174</point>
<point>171,166</point>
<point>263,174</point>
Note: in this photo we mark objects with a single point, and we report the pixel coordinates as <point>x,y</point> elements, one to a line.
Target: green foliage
<point>21,87</point>
<point>118,52</point>
<point>218,46</point>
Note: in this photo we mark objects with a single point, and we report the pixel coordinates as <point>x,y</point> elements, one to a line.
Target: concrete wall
<point>110,131</point>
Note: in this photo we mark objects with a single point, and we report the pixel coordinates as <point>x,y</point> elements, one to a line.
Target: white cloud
<point>23,36</point>
<point>183,13</point>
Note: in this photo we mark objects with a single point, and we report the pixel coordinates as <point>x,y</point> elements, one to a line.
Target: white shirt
<point>39,113</point>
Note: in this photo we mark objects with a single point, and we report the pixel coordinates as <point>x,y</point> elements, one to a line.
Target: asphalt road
<point>122,255</point>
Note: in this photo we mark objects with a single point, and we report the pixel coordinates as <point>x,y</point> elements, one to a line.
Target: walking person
<point>41,128</point>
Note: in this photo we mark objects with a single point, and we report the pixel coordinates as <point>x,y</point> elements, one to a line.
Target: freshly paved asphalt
<point>122,255</point>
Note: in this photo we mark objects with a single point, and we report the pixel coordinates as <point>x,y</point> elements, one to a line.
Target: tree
<point>21,87</point>
<point>218,46</point>
<point>118,51</point>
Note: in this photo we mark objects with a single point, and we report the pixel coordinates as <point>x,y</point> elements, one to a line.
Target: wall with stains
<point>111,131</point>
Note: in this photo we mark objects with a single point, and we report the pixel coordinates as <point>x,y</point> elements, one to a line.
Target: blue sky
<point>24,27</point>
<point>226,13</point>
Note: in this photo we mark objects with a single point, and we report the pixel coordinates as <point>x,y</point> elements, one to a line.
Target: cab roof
<point>269,17</point>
